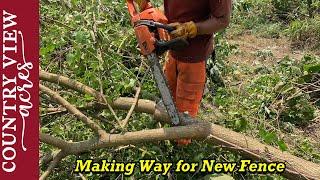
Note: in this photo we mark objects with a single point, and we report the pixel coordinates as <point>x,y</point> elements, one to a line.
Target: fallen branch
<point>53,164</point>
<point>61,144</point>
<point>134,104</point>
<point>297,168</point>
<point>71,84</point>
<point>61,110</point>
<point>91,124</point>
<point>47,158</point>
<point>77,86</point>
<point>82,176</point>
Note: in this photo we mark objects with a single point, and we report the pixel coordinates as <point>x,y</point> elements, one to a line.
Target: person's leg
<point>186,82</point>
<point>190,85</point>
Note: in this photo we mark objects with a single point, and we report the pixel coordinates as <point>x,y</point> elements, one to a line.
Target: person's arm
<point>213,25</point>
<point>218,21</point>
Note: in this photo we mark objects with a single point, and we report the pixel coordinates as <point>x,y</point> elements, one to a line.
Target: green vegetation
<point>298,20</point>
<point>272,98</point>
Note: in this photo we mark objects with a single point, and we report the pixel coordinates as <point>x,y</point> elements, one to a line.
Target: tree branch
<point>77,86</point>
<point>136,98</point>
<point>297,168</point>
<point>71,84</point>
<point>53,164</point>
<point>91,124</point>
<point>61,144</point>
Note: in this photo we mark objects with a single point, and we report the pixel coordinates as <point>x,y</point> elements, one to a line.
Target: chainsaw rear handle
<point>161,45</point>
<point>152,24</point>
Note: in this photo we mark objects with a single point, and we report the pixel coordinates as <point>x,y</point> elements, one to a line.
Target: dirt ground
<point>275,49</point>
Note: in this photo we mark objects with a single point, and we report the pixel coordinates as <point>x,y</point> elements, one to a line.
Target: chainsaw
<point>151,30</point>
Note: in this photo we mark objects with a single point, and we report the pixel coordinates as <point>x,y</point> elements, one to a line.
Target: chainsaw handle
<point>132,9</point>
<point>153,24</point>
<point>166,27</point>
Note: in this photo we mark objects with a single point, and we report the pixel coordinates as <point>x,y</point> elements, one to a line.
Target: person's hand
<point>184,30</point>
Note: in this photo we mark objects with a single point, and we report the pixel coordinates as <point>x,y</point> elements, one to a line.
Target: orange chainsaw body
<point>145,37</point>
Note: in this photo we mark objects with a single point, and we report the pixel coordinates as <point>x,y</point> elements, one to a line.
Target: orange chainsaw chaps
<point>187,82</point>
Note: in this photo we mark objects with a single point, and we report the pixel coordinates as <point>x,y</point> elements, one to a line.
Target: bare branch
<point>91,124</point>
<point>77,86</point>
<point>61,144</point>
<point>53,164</point>
<point>297,168</point>
<point>48,157</point>
<point>71,84</point>
<point>136,98</point>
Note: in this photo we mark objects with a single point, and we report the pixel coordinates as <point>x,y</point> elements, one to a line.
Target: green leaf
<point>282,145</point>
<point>262,132</point>
<point>312,68</point>
<point>241,124</point>
<point>270,137</point>
<point>70,57</point>
<point>88,97</point>
<point>132,83</point>
<point>198,157</point>
<point>80,37</point>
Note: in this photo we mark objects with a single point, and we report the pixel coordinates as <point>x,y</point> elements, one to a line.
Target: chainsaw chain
<point>164,89</point>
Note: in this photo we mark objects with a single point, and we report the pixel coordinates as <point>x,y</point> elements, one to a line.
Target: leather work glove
<point>184,30</point>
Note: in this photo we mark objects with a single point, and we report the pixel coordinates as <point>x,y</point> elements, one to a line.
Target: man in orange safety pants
<point>196,21</point>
